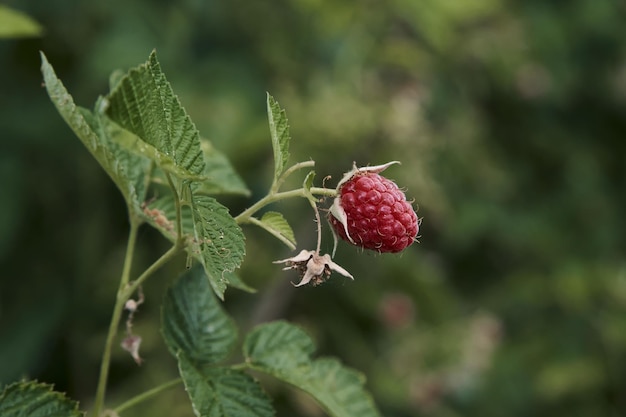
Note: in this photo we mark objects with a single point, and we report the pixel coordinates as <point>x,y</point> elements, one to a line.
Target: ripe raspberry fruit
<point>370,211</point>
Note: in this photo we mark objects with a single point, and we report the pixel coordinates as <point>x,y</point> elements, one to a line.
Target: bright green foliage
<point>126,170</point>
<point>144,103</point>
<point>14,24</point>
<point>219,240</point>
<point>282,350</point>
<point>275,223</point>
<point>33,399</point>
<point>279,131</point>
<point>223,392</point>
<point>194,322</point>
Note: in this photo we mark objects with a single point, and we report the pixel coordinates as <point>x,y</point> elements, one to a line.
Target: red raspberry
<point>370,211</point>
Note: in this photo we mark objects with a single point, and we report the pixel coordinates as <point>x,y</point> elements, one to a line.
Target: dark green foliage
<point>33,399</point>
<point>508,118</point>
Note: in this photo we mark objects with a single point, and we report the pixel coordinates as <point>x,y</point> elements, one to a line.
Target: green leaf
<point>282,350</point>
<point>276,224</point>
<point>223,392</point>
<point>127,171</point>
<point>144,103</point>
<point>194,322</point>
<point>307,184</point>
<point>220,241</point>
<point>278,345</point>
<point>308,180</point>
<point>279,132</point>
<point>115,78</point>
<point>161,214</point>
<point>338,388</point>
<point>33,399</point>
<point>135,145</point>
<point>14,24</point>
<point>235,281</point>
<point>219,175</point>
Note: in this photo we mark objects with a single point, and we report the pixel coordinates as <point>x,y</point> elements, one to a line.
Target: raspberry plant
<point>169,176</point>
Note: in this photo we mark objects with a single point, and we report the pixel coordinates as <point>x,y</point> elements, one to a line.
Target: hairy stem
<point>245,215</point>
<point>167,256</point>
<point>288,172</point>
<point>146,395</point>
<point>124,292</point>
<point>318,220</point>
<point>115,319</point>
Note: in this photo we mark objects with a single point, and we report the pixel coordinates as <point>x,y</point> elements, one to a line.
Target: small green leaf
<point>282,350</point>
<point>144,103</point>
<point>276,224</point>
<point>279,132</point>
<point>15,24</point>
<point>220,241</point>
<point>194,322</point>
<point>33,399</point>
<point>125,169</point>
<point>223,392</point>
<point>308,180</point>
<point>219,175</point>
<point>307,184</point>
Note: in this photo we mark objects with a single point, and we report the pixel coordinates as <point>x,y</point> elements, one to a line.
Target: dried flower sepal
<point>313,267</point>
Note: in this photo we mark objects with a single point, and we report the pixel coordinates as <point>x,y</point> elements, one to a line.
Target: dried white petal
<point>313,268</point>
<point>308,276</point>
<point>333,266</point>
<point>303,256</point>
<point>131,344</point>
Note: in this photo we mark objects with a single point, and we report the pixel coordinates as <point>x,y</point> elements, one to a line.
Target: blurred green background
<point>509,118</point>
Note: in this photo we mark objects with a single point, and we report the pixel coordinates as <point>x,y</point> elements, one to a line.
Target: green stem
<point>146,395</point>
<point>167,256</point>
<point>288,172</point>
<point>245,215</point>
<point>318,220</point>
<point>124,292</point>
<point>135,222</point>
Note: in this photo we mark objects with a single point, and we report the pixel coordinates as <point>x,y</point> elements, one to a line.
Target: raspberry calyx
<point>371,212</point>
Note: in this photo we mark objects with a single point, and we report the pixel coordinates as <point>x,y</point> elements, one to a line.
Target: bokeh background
<point>509,118</point>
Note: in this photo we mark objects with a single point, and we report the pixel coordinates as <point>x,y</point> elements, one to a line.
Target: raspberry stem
<point>244,216</point>
<point>318,220</point>
<point>288,172</point>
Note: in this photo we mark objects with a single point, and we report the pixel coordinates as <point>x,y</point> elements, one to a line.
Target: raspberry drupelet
<point>370,211</point>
